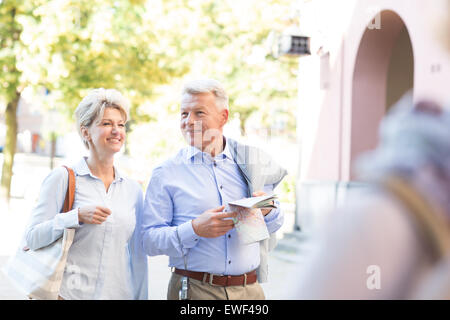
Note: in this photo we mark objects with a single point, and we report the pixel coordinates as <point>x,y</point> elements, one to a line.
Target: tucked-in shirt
<point>105,261</point>
<point>182,188</point>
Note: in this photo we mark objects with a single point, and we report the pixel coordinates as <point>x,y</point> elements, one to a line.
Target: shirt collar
<point>82,169</point>
<point>192,151</point>
<point>226,152</point>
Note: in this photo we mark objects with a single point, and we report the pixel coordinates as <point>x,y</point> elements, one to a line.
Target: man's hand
<point>212,223</point>
<point>93,214</point>
<point>259,194</point>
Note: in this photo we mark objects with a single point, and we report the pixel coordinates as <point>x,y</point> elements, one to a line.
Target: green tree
<point>69,47</point>
<point>11,85</point>
<point>256,81</point>
<point>229,41</point>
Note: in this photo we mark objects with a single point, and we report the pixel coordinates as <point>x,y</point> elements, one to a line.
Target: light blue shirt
<point>181,189</point>
<point>105,261</point>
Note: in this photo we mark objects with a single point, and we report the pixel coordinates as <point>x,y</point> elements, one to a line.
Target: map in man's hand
<point>249,223</point>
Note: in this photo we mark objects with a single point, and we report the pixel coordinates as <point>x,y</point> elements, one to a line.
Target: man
<point>184,215</point>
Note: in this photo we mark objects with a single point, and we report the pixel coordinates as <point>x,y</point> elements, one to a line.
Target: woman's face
<point>107,134</point>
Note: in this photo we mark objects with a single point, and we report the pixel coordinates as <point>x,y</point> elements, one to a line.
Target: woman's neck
<point>102,167</point>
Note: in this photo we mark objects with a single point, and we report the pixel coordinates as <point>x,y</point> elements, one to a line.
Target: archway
<point>383,73</point>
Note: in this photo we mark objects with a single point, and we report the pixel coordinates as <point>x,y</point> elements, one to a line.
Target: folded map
<point>249,223</point>
<point>262,202</point>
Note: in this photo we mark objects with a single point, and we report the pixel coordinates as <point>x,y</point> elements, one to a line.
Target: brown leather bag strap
<point>70,194</point>
<point>430,222</point>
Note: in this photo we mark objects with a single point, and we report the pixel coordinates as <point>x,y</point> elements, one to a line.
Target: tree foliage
<point>230,41</point>
<point>90,44</point>
<point>69,47</point>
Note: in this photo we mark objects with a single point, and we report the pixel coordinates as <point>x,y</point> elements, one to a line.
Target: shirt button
<point>229,236</point>
<point>229,261</point>
<point>215,164</point>
<point>221,187</point>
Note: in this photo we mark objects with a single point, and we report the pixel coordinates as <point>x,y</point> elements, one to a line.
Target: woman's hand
<point>93,214</point>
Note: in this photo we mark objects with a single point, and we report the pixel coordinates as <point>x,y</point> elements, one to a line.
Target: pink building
<point>366,55</point>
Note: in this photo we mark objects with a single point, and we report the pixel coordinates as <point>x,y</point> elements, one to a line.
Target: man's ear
<point>225,115</point>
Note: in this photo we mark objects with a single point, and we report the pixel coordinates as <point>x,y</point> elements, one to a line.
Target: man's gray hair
<point>207,86</point>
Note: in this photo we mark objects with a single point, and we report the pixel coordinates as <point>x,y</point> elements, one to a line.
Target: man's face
<point>201,121</point>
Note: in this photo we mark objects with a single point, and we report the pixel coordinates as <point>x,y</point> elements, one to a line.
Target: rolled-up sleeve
<point>47,223</point>
<point>159,233</point>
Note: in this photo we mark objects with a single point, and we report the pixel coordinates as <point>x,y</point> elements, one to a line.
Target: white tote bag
<point>38,273</point>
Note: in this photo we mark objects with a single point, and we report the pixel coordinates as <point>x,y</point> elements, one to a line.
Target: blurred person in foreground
<point>184,206</point>
<point>106,256</point>
<point>394,242</point>
<point>377,246</point>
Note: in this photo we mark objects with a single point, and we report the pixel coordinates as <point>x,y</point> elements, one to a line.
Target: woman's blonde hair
<point>94,104</point>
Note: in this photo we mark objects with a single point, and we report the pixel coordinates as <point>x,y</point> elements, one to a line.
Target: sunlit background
<point>53,52</point>
<point>314,113</point>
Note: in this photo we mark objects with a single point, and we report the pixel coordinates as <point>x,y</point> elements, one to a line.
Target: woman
<point>106,260</point>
